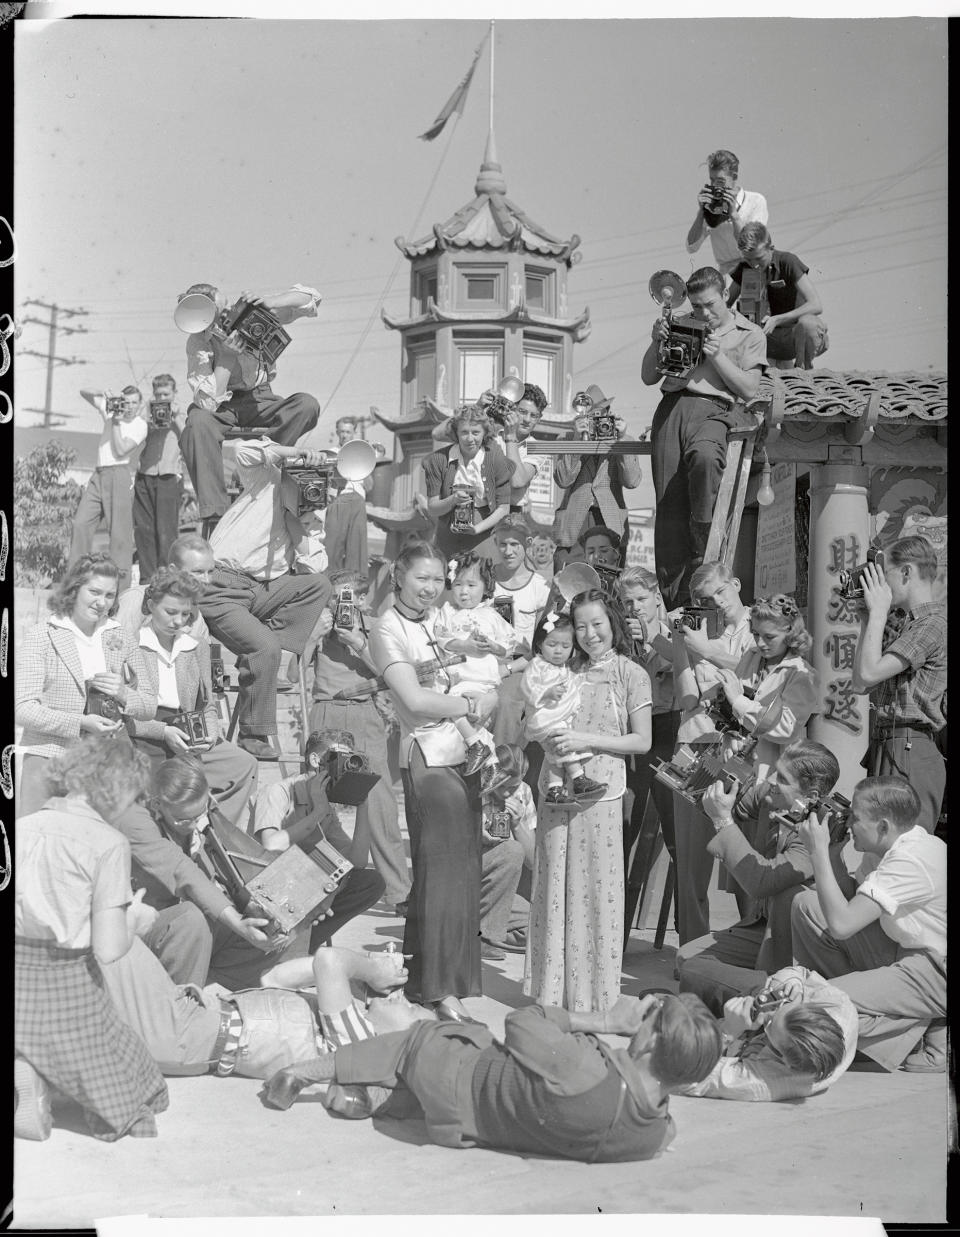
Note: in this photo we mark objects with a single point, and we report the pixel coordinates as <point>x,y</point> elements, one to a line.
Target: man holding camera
<point>594,484</point>
<point>231,387</point>
<point>690,426</point>
<point>109,492</point>
<point>264,595</point>
<point>723,964</point>
<point>723,208</point>
<point>156,490</point>
<point>794,324</point>
<point>901,660</point>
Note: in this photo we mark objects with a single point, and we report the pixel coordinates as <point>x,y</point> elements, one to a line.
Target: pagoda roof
<point>491,221</point>
<point>880,397</point>
<point>519,314</point>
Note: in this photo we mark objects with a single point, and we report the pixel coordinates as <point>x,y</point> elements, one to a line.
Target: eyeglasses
<point>190,822</point>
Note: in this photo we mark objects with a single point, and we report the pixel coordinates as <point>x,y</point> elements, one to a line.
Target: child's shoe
<point>478,753</point>
<point>586,790</point>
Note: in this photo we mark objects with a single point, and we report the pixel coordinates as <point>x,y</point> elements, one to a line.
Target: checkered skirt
<point>68,1029</point>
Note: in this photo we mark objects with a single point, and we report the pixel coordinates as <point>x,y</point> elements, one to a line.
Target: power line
<point>54,326</point>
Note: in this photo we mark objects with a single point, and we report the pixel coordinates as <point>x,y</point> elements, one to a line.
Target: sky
<point>153,153</point>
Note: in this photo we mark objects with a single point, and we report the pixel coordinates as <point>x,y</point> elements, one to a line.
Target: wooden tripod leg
<point>669,885</point>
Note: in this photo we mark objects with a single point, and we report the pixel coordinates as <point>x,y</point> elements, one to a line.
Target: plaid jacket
<point>593,480</point>
<point>50,691</point>
<point>194,688</point>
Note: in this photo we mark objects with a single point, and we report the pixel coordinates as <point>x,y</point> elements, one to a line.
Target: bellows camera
<point>851,582</point>
<point>833,810</point>
<point>313,486</point>
<point>682,349</point>
<point>258,330</point>
<point>345,615</point>
<point>693,616</point>
<point>113,406</point>
<point>602,425</point>
<point>464,515</point>
<point>695,767</point>
<point>193,723</point>
<point>497,404</point>
<point>161,414</point>
<point>349,771</point>
<point>101,704</point>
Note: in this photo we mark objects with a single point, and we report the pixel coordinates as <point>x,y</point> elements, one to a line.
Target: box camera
<point>113,406</point>
<point>464,516</point>
<point>834,810</point>
<point>851,582</point>
<point>101,704</point>
<point>345,614</point>
<point>217,675</point>
<point>695,767</point>
<point>504,607</point>
<point>161,414</point>
<point>193,723</point>
<point>498,823</point>
<point>693,616</point>
<point>754,303</point>
<point>259,331</point>
<point>682,350</point>
<point>313,486</point>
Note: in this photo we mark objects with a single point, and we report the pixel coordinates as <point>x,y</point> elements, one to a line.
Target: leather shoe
<point>258,747</point>
<point>446,1014</point>
<point>282,1089</point>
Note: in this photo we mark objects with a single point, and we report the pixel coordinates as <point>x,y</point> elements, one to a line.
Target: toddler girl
<point>551,691</point>
<point>468,624</point>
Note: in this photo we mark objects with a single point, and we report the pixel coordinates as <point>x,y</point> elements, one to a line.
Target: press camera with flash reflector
<point>682,350</point>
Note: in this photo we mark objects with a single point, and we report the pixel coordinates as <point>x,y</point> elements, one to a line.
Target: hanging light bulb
<point>765,494</point>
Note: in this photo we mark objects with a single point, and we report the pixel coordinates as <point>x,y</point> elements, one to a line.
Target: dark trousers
<point>641,782</point>
<point>914,755</point>
<point>257,620</point>
<point>442,929</point>
<point>156,520</point>
<point>722,965</point>
<point>109,497</point>
<point>201,443</point>
<point>689,440</point>
<point>345,534</point>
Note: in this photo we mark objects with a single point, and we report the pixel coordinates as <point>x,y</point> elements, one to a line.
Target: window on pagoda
<point>425,289</point>
<point>480,365</point>
<point>539,287</point>
<point>541,366</point>
<point>481,287</point>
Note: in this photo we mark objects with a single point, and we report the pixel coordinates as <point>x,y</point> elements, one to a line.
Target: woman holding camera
<point>76,673</point>
<point>177,669</point>
<point>473,472</point>
<point>443,811</point>
<point>575,941</point>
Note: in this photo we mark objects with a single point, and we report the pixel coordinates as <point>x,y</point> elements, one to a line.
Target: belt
<point>891,729</point>
<point>224,1057</point>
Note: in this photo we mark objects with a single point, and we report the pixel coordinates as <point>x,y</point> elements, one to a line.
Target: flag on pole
<point>456,101</point>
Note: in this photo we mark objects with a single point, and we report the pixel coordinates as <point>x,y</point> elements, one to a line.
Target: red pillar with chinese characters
<point>839,536</point>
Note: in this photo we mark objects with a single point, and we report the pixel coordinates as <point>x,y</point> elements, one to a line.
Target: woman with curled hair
<point>177,670</point>
<point>473,468</point>
<point>79,646</point>
<point>442,931</point>
<point>575,941</point>
<point>74,912</point>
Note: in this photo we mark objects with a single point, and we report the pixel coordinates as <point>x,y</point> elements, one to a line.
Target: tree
<point>43,505</point>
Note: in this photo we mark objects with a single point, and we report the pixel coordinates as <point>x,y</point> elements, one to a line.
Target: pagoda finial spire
<point>491,179</point>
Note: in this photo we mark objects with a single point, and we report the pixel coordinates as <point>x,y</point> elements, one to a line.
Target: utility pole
<point>51,354</point>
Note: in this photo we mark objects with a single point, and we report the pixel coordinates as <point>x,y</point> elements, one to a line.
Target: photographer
<point>156,489</point>
<point>690,426</point>
<point>594,484</point>
<point>721,964</point>
<point>794,326</point>
<point>344,675</point>
<point>901,660</point>
<point>799,1045</point>
<point>231,387</point>
<point>886,945</point>
<point>108,495</point>
<point>263,595</point>
<point>723,208</point>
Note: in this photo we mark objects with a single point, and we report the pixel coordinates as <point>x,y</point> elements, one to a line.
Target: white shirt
<point>528,602</point>
<point>910,886</point>
<point>135,431</point>
<point>168,697</point>
<point>89,648</point>
<point>254,535</point>
<point>469,473</point>
<point>751,208</point>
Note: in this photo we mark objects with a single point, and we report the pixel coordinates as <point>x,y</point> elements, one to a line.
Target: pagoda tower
<point>488,300</point>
